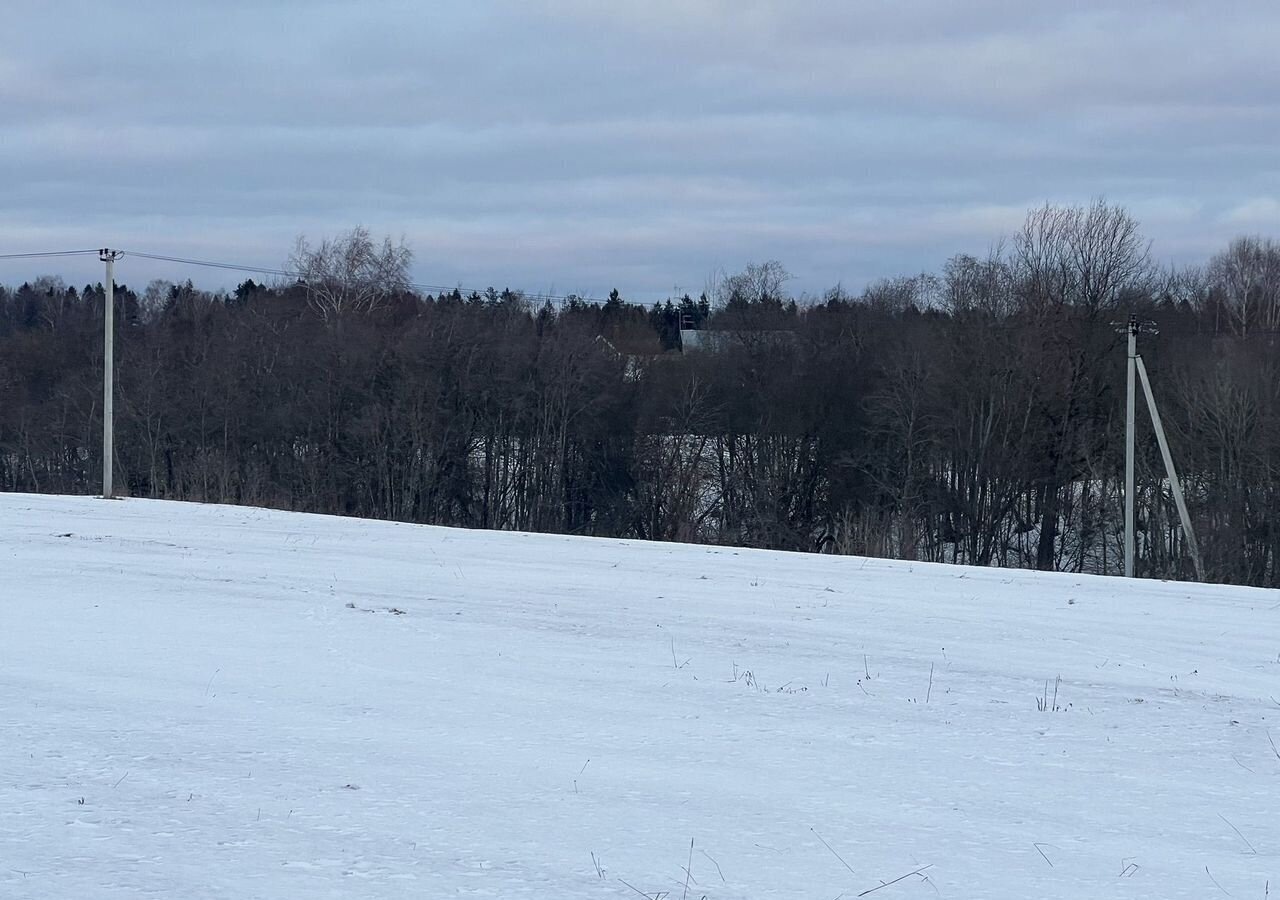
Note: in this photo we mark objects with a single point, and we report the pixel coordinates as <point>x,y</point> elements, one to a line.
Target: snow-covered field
<point>204,701</point>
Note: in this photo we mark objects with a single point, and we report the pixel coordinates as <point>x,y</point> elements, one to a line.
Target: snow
<point>207,701</point>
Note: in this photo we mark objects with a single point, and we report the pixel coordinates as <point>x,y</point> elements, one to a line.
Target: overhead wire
<point>235,267</point>
<point>45,253</point>
<point>418,286</point>
<point>437,289</point>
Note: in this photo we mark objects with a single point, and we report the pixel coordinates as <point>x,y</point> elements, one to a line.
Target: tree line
<point>974,415</point>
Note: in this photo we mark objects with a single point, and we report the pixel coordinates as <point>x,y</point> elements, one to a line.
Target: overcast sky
<point>576,146</point>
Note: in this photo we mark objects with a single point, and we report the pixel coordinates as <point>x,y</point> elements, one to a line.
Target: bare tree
<point>972,285</point>
<point>154,298</point>
<point>1247,278</point>
<point>1085,257</point>
<point>757,283</point>
<point>349,273</point>
<point>897,295</point>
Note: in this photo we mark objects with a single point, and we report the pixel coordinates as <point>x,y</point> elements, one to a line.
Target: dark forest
<point>975,415</point>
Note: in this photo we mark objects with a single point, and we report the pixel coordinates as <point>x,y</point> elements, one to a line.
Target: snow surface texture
<point>205,701</point>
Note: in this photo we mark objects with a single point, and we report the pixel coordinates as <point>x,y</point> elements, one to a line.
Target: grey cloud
<point>636,145</point>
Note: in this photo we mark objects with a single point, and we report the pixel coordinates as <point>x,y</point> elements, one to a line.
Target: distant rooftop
<point>718,341</point>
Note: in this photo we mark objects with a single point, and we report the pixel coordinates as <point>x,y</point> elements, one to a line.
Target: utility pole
<point>1137,368</point>
<point>108,370</point>
<point>1130,409</point>
<point>1174,484</point>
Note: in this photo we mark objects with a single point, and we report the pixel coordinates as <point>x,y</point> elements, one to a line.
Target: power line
<point>437,289</point>
<point>418,286</point>
<point>45,253</point>
<point>235,267</point>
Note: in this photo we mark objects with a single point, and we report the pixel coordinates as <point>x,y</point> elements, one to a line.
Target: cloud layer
<point>571,145</point>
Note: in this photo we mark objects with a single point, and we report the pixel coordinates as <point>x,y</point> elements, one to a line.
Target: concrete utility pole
<point>108,370</point>
<point>1130,409</point>
<point>1136,367</point>
<point>1176,486</point>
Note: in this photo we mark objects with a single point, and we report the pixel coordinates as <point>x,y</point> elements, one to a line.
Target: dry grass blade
<point>885,884</point>
<point>658,896</point>
<point>1041,852</point>
<point>688,871</point>
<point>1241,836</point>
<point>833,851</point>
<point>716,864</point>
<point>1215,882</point>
